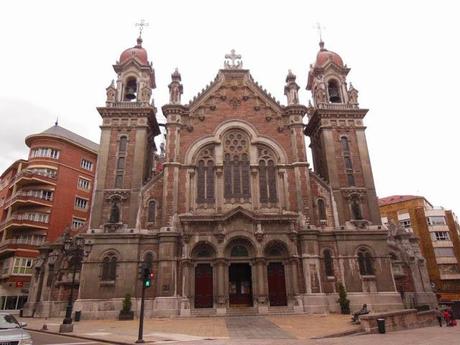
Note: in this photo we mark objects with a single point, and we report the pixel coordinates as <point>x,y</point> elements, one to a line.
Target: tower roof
<point>62,133</point>
<point>325,55</point>
<point>137,52</point>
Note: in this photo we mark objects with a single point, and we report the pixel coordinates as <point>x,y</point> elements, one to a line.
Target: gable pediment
<point>234,87</point>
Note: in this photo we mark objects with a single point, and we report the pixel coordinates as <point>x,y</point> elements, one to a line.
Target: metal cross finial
<point>320,29</point>
<point>233,57</point>
<point>141,25</point>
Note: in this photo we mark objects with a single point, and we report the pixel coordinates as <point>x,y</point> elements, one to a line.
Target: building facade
<point>39,198</point>
<point>236,220</point>
<point>437,230</point>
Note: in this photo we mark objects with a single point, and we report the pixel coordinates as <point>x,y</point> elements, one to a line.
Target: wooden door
<point>276,284</point>
<point>240,285</point>
<point>203,286</point>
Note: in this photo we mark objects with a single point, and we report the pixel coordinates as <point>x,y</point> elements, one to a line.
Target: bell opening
<point>131,90</point>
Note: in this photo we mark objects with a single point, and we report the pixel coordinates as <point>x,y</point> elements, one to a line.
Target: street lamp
<point>74,249</point>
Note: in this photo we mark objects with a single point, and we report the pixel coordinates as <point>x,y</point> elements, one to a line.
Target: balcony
<point>129,105</point>
<point>451,276</point>
<point>26,220</point>
<point>30,198</point>
<point>28,176</point>
<point>337,106</point>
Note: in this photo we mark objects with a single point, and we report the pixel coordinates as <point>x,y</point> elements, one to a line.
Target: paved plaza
<point>247,330</point>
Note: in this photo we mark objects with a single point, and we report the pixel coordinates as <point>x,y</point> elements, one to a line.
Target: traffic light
<point>147,277</point>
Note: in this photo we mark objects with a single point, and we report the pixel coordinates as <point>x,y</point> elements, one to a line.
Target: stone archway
<point>276,253</point>
<point>202,254</point>
<point>240,251</point>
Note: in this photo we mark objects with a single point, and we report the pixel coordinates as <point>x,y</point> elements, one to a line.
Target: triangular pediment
<point>234,85</point>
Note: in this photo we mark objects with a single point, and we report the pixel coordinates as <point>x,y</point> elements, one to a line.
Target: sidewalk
<point>169,330</point>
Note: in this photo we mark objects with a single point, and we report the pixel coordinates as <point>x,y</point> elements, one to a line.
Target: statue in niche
<point>114,212</point>
<point>174,97</point>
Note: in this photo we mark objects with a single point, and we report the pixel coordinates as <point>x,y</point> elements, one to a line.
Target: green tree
<point>343,300</point>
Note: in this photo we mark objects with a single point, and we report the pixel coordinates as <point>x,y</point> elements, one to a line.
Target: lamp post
<point>74,249</point>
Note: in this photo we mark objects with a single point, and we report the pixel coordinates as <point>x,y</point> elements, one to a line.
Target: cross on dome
<point>233,57</point>
<point>141,26</point>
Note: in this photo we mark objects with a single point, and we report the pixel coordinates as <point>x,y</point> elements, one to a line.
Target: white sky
<point>56,61</point>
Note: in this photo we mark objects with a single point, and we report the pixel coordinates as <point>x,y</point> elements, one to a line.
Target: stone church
<point>230,216</point>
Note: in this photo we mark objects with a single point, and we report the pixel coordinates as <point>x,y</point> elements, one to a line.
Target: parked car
<point>12,332</point>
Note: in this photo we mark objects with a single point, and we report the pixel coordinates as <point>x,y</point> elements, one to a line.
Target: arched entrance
<point>276,252</point>
<point>204,291</point>
<point>240,289</point>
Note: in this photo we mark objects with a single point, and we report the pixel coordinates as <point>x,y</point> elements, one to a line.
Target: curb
<point>340,334</point>
<point>81,337</point>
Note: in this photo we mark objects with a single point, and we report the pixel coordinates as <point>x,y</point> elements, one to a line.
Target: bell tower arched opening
<point>130,89</point>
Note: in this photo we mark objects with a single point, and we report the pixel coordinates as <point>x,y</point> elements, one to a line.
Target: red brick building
<point>39,198</point>
<point>437,230</point>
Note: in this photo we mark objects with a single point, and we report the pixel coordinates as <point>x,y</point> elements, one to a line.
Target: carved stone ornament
<point>116,194</point>
<point>234,102</point>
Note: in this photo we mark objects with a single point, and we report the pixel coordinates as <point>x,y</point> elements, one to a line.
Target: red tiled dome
<point>324,55</point>
<point>136,52</point>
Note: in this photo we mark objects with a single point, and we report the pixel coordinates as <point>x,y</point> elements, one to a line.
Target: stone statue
<point>114,213</point>
<point>291,90</point>
<point>352,95</point>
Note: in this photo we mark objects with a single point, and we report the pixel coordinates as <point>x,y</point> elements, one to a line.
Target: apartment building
<point>438,231</point>
<point>39,198</point>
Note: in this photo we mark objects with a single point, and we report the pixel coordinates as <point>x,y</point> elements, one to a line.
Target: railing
<point>29,195</point>
<point>337,106</point>
<point>129,105</point>
<point>32,173</point>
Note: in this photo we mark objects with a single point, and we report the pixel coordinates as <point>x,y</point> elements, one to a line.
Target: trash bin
<point>77,315</point>
<point>381,325</point>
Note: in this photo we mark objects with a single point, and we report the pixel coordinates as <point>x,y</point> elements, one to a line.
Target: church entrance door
<point>203,286</point>
<point>240,285</point>
<point>276,284</point>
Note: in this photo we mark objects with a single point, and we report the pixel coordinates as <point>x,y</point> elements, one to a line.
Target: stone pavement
<point>200,328</point>
<point>420,336</point>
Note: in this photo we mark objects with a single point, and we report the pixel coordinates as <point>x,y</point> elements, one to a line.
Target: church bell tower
<point>127,142</point>
<point>338,140</point>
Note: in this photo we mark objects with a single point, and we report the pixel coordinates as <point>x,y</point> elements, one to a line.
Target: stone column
<point>219,189</point>
<point>221,302</point>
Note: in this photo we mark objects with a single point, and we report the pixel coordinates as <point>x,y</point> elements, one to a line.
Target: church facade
<point>235,220</point>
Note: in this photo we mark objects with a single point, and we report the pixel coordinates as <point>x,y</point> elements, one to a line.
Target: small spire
<point>321,45</point>
<point>139,42</point>
<point>57,121</point>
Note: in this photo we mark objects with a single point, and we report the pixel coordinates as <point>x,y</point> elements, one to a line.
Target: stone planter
<point>126,315</point>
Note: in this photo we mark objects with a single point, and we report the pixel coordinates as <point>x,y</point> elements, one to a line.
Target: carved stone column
<point>220,265</point>
<point>219,189</point>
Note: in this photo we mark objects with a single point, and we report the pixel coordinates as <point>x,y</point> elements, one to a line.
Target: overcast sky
<point>56,61</point>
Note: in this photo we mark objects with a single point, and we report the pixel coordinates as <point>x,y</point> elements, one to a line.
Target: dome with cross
<point>137,52</point>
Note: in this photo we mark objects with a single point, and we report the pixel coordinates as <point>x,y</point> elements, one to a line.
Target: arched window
<point>347,161</point>
<point>114,212</point>
<point>205,176</point>
<point>365,262</point>
<point>130,90</point>
<point>109,268</point>
<point>203,250</point>
<point>321,210</point>
<point>239,250</point>
<point>120,168</point>
<point>152,209</point>
<point>328,263</point>
<point>356,208</point>
<point>236,165</point>
<point>267,175</point>
<point>334,91</point>
<point>122,144</point>
<point>148,260</point>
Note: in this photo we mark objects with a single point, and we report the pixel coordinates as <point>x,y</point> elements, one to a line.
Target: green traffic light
<point>147,283</point>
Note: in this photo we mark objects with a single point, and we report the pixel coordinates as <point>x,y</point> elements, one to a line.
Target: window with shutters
<point>205,176</point>
<point>267,175</point>
<point>236,165</point>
